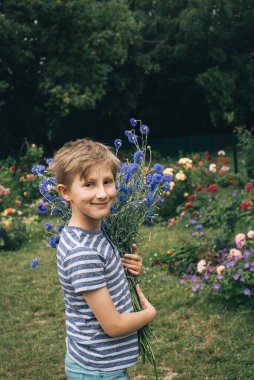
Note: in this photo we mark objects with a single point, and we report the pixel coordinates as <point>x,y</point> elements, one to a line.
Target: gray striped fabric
<point>86,261</point>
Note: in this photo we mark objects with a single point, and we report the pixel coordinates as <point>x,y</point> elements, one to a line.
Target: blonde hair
<point>77,157</point>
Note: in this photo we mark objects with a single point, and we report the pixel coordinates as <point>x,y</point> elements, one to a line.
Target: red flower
<point>194,212</point>
<point>208,156</point>
<point>191,197</point>
<point>188,205</point>
<point>17,202</point>
<point>212,188</point>
<point>245,205</point>
<point>248,186</point>
<point>199,188</point>
<point>223,160</point>
<point>12,168</point>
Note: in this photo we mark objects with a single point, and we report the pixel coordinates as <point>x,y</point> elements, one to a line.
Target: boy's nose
<point>101,193</point>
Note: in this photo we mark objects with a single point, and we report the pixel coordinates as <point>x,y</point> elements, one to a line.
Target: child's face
<point>91,198</point>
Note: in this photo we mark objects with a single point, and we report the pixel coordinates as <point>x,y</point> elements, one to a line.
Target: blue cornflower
<point>118,143</point>
<point>34,262</point>
<point>113,210</point>
<point>198,227</point>
<point>124,188</point>
<point>38,169</point>
<point>167,177</point>
<point>150,199</point>
<point>123,167</point>
<point>166,186</point>
<point>156,179</point>
<point>149,178</point>
<point>206,276</point>
<point>132,138</point>
<point>144,129</point>
<point>122,197</point>
<point>53,241</point>
<point>216,286</point>
<point>48,226</point>
<point>158,168</point>
<point>44,186</point>
<point>236,276</point>
<point>149,216</point>
<point>138,156</point>
<point>129,170</point>
<point>60,228</point>
<point>160,199</point>
<point>192,221</point>
<point>55,211</point>
<point>49,160</point>
<point>133,122</point>
<point>41,207</point>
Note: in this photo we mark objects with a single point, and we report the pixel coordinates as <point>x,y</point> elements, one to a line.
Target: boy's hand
<point>144,303</point>
<point>132,261</point>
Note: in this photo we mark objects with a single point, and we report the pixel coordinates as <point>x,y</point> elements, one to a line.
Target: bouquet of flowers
<point>140,186</point>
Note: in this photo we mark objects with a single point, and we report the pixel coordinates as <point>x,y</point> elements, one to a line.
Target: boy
<point>100,322</point>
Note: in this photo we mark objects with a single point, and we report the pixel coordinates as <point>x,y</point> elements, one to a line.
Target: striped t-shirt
<point>86,261</point>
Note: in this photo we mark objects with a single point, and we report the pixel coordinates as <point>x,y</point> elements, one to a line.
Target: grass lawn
<point>196,338</point>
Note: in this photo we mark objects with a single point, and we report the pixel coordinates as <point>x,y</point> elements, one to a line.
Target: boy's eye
<point>108,181</point>
<point>88,184</point>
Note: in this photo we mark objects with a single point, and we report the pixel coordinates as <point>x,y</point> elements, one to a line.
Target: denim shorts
<point>75,372</point>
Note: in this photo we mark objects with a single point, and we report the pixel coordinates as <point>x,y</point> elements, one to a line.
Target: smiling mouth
<point>100,204</point>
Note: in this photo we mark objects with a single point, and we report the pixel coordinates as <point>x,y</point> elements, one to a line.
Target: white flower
<point>168,171</point>
<point>180,176</point>
<point>221,153</point>
<point>220,269</point>
<point>213,168</point>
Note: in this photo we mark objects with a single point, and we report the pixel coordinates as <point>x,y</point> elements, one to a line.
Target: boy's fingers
<point>132,256</point>
<point>134,248</point>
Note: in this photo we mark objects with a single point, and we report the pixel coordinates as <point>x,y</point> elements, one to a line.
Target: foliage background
<point>75,68</point>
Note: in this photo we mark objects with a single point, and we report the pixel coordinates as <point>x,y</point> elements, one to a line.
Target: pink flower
<point>12,168</point>
<point>224,169</point>
<point>235,253</point>
<point>240,240</point>
<point>248,186</point>
<point>201,266</point>
<point>250,234</point>
<point>182,213</point>
<point>246,205</point>
<point>17,202</point>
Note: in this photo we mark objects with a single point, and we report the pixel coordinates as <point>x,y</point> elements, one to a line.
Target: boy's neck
<point>93,225</point>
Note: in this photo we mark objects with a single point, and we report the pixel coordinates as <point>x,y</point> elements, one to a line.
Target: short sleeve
<point>84,269</point>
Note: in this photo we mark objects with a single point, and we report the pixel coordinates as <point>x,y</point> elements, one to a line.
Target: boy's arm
<point>114,323</point>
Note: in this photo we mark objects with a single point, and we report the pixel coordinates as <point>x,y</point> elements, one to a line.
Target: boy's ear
<point>63,191</point>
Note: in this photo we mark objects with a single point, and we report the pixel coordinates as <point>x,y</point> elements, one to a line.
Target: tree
<point>56,57</point>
